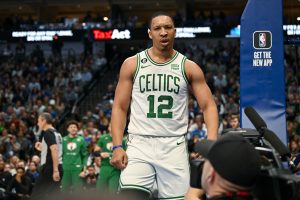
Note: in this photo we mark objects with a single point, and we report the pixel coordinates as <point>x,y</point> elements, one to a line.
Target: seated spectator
<point>231,107</point>
<point>90,178</point>
<point>294,145</point>
<point>99,61</point>
<point>19,186</point>
<point>86,76</point>
<point>5,175</point>
<point>36,159</point>
<point>12,146</point>
<point>234,121</point>
<point>32,171</point>
<point>197,127</point>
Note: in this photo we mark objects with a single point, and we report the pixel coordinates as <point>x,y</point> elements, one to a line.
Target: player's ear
<point>149,33</point>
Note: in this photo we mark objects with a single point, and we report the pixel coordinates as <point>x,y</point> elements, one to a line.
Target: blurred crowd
<point>30,83</point>
<point>117,19</point>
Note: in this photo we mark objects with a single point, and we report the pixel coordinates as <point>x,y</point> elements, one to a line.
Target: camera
<point>196,167</point>
<point>276,180</point>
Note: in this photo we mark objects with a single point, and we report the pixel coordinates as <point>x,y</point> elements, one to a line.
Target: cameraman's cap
<point>233,157</point>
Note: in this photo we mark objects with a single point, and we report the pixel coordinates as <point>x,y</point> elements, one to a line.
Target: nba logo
<point>262,40</point>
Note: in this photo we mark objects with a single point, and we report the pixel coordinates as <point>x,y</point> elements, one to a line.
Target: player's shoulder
<point>191,68</point>
<point>130,60</point>
<point>190,63</point>
<point>129,65</point>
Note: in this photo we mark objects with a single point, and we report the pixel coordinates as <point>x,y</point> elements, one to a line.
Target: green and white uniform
<point>158,123</point>
<point>75,156</point>
<point>109,176</point>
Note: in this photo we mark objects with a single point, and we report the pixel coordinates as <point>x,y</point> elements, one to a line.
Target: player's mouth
<point>164,41</point>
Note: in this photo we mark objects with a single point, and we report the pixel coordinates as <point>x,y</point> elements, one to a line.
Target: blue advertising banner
<point>261,64</point>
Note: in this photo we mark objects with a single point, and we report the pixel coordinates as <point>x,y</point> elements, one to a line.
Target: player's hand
<point>56,176</point>
<point>119,158</point>
<point>38,146</point>
<point>104,155</point>
<point>82,174</point>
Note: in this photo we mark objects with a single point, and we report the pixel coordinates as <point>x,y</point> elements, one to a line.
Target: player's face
<point>72,129</point>
<point>162,32</point>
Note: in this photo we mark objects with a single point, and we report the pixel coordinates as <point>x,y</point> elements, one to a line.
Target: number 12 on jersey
<point>163,109</point>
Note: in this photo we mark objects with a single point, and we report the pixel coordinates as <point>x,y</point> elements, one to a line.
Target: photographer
<point>231,167</point>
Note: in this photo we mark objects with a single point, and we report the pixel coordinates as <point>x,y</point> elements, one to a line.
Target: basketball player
<point>75,157</point>
<point>155,83</point>
<point>50,146</point>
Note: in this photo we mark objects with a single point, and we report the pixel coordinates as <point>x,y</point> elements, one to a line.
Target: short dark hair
<point>22,168</point>
<point>47,117</point>
<point>159,13</point>
<point>71,122</point>
<point>235,116</point>
<point>91,166</point>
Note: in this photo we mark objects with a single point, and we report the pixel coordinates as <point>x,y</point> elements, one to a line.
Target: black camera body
<point>276,181</point>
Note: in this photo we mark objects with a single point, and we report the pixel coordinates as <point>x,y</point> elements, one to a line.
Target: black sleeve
<point>49,138</point>
<point>11,184</point>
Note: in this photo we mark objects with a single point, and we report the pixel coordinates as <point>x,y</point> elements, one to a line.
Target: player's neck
<point>161,55</point>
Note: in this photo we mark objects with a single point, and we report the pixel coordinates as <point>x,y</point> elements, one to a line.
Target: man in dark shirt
<point>20,186</point>
<point>50,146</point>
<point>230,169</point>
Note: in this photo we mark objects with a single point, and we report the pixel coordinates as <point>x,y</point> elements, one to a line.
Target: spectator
<point>90,178</point>
<point>99,61</point>
<point>86,76</point>
<point>32,171</point>
<point>234,121</point>
<point>20,185</point>
<point>5,175</point>
<point>231,107</point>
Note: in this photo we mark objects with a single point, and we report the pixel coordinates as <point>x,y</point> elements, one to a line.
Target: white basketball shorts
<point>157,160</point>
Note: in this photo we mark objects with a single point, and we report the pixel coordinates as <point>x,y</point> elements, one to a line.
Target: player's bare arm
<point>120,108</point>
<point>204,97</point>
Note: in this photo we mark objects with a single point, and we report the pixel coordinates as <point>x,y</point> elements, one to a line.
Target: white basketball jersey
<point>159,104</point>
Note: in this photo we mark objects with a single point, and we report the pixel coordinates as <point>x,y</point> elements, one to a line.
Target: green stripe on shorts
<point>137,187</point>
<point>174,198</point>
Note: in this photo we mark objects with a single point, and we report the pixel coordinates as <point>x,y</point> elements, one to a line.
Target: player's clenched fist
<point>119,158</point>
